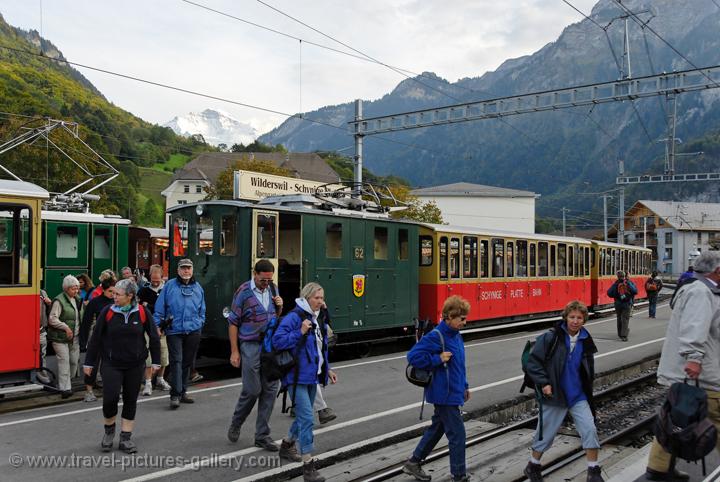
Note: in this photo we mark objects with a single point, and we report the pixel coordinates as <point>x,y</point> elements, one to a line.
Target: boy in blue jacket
<point>447,391</point>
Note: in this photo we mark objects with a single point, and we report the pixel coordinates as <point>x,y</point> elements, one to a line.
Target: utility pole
<point>605,198</point>
<point>564,210</point>
<point>357,177</point>
<point>621,217</point>
<point>644,231</point>
<point>626,71</point>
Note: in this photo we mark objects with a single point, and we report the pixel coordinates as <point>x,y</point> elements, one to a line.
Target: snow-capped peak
<point>216,127</point>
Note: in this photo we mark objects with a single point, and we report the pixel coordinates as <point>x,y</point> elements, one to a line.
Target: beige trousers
<point>67,360</point>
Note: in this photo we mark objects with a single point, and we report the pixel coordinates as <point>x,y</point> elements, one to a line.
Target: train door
<point>122,242</point>
<point>265,239</point>
<point>380,271</point>
<point>290,255</point>
<point>66,252</point>
<point>103,247</point>
<point>358,274</point>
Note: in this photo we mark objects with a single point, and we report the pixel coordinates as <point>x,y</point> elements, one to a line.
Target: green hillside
<point>44,87</point>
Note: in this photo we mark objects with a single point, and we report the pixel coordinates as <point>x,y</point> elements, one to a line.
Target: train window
<point>403,254</point>
<point>454,258</point>
<point>470,256</point>
<point>498,254</point>
<point>484,258</point>
<point>15,245</point>
<point>608,262</point>
<point>101,243</point>
<point>380,250</point>
<point>553,259</point>
<point>265,241</point>
<point>443,246</point>
<point>589,253</point>
<point>542,259</point>
<point>571,262</point>
<point>228,236</point>
<point>521,259</point>
<point>509,256</point>
<point>333,240</point>
<point>426,250</point>
<point>533,258</point>
<point>580,258</point>
<point>562,260</point>
<point>67,242</point>
<point>204,235</point>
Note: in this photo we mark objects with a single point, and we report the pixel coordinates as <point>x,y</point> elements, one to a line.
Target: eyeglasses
<point>265,280</point>
<point>463,318</point>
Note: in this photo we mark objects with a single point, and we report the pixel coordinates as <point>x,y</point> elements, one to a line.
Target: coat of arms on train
<point>358,282</point>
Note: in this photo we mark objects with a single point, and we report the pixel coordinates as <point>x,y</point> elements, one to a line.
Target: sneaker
<point>414,469</point>
<point>174,403</point>
<point>127,445</point>
<point>90,397</point>
<point>326,415</point>
<point>161,384</point>
<point>310,473</point>
<point>676,476</point>
<point>288,451</point>
<point>147,391</point>
<point>594,474</point>
<point>233,433</point>
<point>186,399</point>
<point>268,445</point>
<point>196,378</point>
<point>42,378</point>
<point>533,472</point>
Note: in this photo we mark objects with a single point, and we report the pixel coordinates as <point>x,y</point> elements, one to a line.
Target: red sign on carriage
<point>358,282</point>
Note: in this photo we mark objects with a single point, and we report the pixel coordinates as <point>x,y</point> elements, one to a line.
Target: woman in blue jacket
<point>299,331</point>
<point>448,390</point>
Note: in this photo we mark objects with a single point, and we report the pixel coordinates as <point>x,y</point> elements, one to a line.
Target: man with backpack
<point>692,350</point>
<point>255,304</point>
<point>653,285</point>
<point>623,291</point>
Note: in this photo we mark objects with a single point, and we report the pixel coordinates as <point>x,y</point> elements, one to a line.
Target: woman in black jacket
<point>119,341</point>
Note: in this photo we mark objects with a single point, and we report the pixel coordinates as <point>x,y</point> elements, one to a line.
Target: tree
<point>151,213</point>
<point>424,212</point>
<point>223,187</point>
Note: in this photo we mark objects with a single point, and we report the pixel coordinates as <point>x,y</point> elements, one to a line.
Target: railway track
<point>613,393</point>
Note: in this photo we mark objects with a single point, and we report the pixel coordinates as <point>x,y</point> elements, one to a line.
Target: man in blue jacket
<point>443,351</point>
<point>623,291</point>
<point>180,313</point>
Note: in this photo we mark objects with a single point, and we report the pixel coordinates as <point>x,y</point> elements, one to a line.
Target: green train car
<point>366,263</point>
<point>74,243</point>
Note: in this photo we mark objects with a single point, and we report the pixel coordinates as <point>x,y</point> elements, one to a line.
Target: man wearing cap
<point>180,314</point>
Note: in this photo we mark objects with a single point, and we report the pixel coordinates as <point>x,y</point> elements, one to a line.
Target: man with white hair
<point>692,349</point>
<point>63,331</point>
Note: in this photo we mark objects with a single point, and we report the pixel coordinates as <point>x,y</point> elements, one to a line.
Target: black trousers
<point>126,379</point>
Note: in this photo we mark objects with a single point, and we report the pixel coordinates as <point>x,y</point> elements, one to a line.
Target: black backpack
<point>682,426</point>
<point>527,381</point>
<point>421,377</point>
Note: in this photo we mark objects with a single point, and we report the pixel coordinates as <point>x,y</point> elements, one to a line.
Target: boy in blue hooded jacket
<point>447,391</point>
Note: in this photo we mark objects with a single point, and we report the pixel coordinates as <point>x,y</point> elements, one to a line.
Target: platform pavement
<point>371,399</point>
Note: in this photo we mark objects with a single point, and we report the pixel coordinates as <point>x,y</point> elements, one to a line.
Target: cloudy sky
<point>177,43</point>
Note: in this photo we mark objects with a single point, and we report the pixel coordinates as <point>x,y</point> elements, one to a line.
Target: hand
<point>693,369</point>
<point>467,394</point>
<point>332,376</point>
<point>305,327</point>
<point>47,301</point>
<point>278,302</point>
<point>160,333</point>
<point>69,333</point>
<point>235,359</point>
<point>445,356</point>
<point>87,371</point>
<point>547,390</point>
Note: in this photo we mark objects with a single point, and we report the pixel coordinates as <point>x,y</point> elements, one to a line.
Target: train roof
<point>22,188</point>
<point>153,232</point>
<point>501,233</point>
<point>294,209</point>
<point>615,245</point>
<point>83,217</point>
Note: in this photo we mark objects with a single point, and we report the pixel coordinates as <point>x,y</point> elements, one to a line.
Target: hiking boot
<point>66,394</point>
<point>326,415</point>
<point>310,473</point>
<point>161,384</point>
<point>233,433</point>
<point>675,476</point>
<point>186,399</point>
<point>107,440</point>
<point>414,469</point>
<point>461,478</point>
<point>533,472</point>
<point>127,445</point>
<point>267,444</point>
<point>90,397</point>
<point>174,403</point>
<point>594,474</point>
<point>147,391</point>
<point>288,451</point>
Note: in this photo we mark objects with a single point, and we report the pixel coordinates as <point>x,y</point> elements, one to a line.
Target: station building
<point>676,232</point>
<point>488,207</point>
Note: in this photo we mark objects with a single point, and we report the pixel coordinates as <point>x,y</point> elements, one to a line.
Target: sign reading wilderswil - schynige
<point>253,186</point>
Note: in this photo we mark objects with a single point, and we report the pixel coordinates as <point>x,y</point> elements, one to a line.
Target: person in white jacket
<point>692,349</point>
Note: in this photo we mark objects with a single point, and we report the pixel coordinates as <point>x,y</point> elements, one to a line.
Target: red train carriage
<point>148,246</point>
<point>608,258</point>
<point>20,273</point>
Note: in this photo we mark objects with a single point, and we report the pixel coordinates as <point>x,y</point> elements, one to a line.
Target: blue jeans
<point>302,428</point>
<point>447,420</point>
<point>652,300</point>
<point>553,416</point>
<point>182,349</point>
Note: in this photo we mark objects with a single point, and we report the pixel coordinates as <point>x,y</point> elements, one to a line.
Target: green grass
<point>176,161</point>
<point>152,182</point>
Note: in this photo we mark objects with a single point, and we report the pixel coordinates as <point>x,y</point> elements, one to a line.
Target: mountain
<point>216,127</point>
<point>562,154</point>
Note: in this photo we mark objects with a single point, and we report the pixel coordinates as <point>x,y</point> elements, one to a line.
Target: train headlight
<point>199,209</point>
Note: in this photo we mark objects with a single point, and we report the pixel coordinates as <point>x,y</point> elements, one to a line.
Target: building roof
<point>208,165</point>
<point>469,189</point>
<point>687,216</point>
